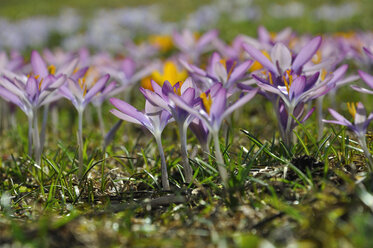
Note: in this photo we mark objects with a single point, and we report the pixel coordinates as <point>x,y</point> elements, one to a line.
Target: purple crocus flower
<point>228,72</point>
<point>281,58</point>
<point>154,119</point>
<point>80,92</point>
<point>368,79</point>
<point>159,97</point>
<point>212,110</point>
<point>359,127</point>
<point>33,91</point>
<point>193,47</point>
<point>287,80</point>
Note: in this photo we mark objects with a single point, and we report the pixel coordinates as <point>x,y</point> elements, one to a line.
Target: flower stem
<point>277,111</point>
<point>36,138</point>
<point>101,120</point>
<point>29,148</point>
<point>219,159</point>
<point>320,123</point>
<point>367,154</point>
<point>288,130</point>
<point>43,129</point>
<point>188,171</point>
<point>80,142</point>
<point>165,182</point>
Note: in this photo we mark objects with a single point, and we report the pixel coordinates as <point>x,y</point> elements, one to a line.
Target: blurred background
<point>106,25</point>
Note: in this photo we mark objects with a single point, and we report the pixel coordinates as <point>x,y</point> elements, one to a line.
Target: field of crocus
<point>132,131</point>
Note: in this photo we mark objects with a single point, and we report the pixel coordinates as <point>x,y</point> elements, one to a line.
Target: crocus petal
<point>10,86</point>
<point>310,82</point>
<point>368,79</point>
<point>187,107</point>
<point>68,68</point>
<point>306,53</point>
<point>214,59</point>
<point>156,87</point>
<point>263,35</point>
<point>368,120</point>
<point>129,67</point>
<point>239,72</point>
<point>297,87</point>
<point>188,83</point>
<point>219,103</point>
<point>308,115</point>
<point>339,117</point>
<point>338,74</point>
<point>79,74</point>
<point>206,38</point>
<point>239,103</point>
<point>369,53</point>
<point>99,85</point>
<point>130,111</point>
<point>281,56</point>
<point>155,99</point>
<point>8,96</point>
<point>38,65</point>
<point>362,90</point>
<point>257,55</point>
<point>189,95</point>
<point>31,87</point>
<point>360,116</point>
<point>125,117</point>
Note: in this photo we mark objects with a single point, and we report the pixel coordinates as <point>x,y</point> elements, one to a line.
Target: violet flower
<point>214,108</point>
<point>81,92</point>
<point>159,97</point>
<point>228,72</point>
<point>287,81</point>
<point>191,46</point>
<point>154,119</point>
<point>359,127</point>
<point>31,92</point>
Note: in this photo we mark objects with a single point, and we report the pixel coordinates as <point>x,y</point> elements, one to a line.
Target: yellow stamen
<point>52,69</point>
<point>270,78</point>
<point>40,83</point>
<point>288,83</point>
<point>351,106</point>
<point>85,90</point>
<point>323,74</point>
<point>207,101</point>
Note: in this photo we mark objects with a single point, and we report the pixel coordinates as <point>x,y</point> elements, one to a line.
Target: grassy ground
<point>306,196</point>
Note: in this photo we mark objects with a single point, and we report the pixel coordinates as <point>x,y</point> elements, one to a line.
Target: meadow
<point>198,124</point>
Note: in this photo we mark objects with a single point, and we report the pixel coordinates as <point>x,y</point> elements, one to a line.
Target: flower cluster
<point>198,85</point>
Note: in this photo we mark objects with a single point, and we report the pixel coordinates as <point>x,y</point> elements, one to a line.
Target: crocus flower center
<point>224,62</point>
<point>351,106</point>
<point>323,74</point>
<point>288,81</point>
<point>177,90</point>
<point>83,85</point>
<point>206,101</point>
